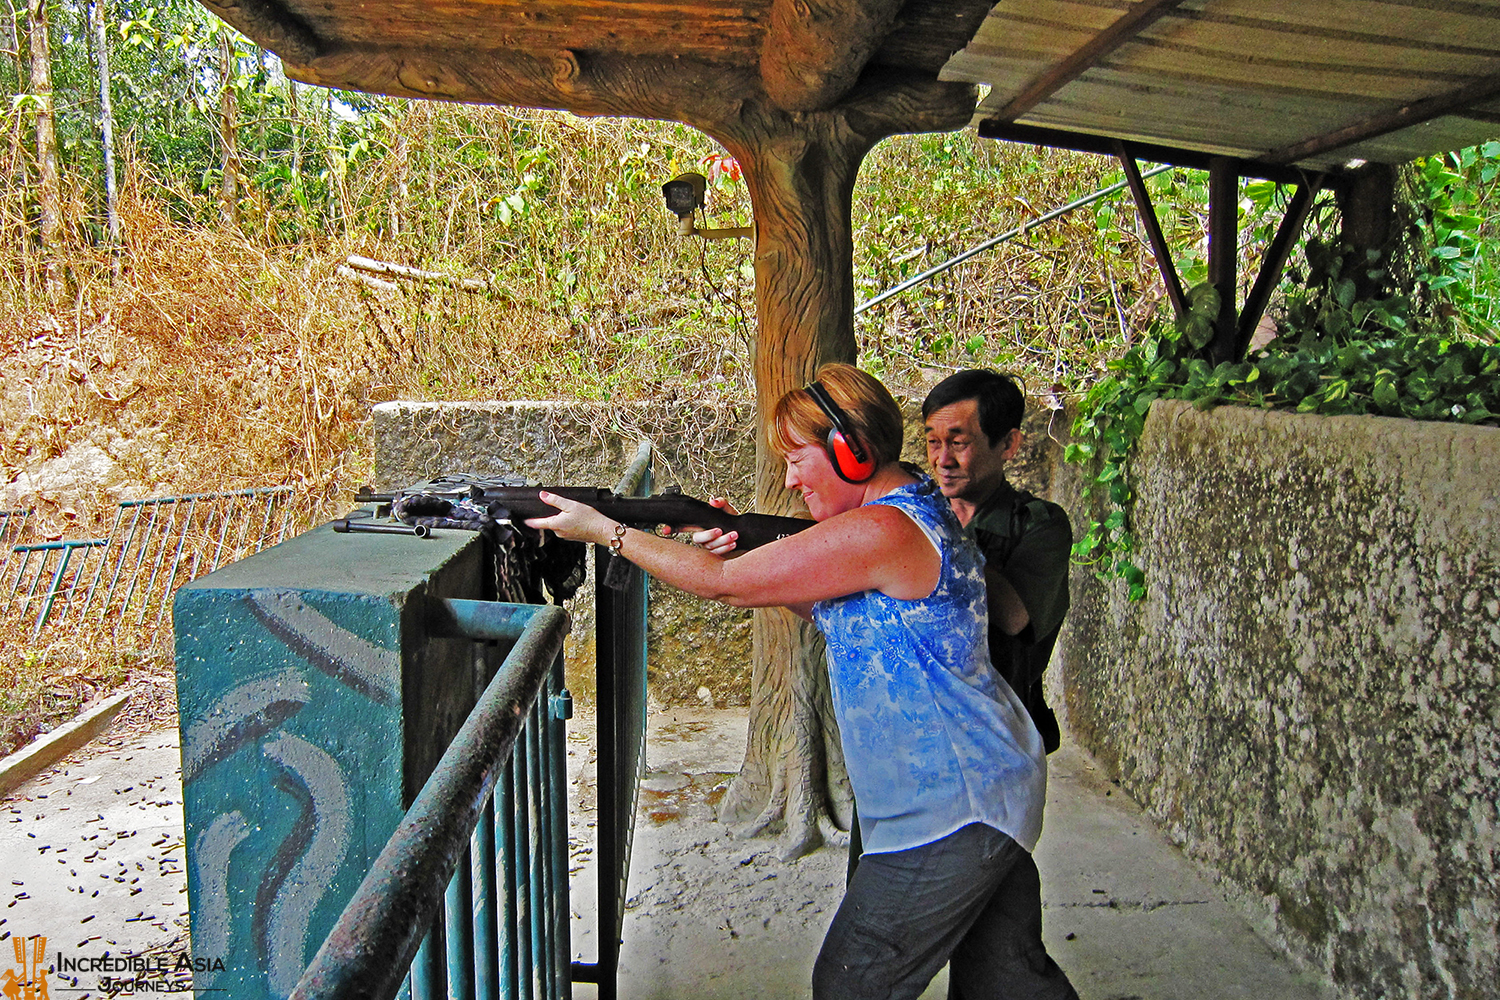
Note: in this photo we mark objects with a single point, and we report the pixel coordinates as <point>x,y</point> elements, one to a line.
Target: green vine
<point>1337,353</point>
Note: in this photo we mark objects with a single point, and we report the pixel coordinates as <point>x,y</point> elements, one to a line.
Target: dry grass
<point>199,358</point>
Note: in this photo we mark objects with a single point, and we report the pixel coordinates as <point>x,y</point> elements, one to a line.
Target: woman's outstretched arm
<point>875,547</point>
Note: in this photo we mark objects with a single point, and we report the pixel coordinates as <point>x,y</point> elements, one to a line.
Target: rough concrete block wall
<point>1307,699</point>
<point>707,450</point>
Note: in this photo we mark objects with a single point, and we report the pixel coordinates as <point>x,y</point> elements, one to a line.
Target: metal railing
<point>13,530</point>
<point>472,888</point>
<point>620,735</point>
<point>1004,237</point>
<point>126,580</point>
<point>503,868</point>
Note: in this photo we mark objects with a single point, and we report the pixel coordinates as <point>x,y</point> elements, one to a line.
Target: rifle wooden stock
<point>675,509</point>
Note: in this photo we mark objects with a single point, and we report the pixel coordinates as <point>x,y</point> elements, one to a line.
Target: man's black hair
<point>1001,401</point>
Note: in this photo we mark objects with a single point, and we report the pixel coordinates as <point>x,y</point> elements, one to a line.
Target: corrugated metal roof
<point>1314,84</point>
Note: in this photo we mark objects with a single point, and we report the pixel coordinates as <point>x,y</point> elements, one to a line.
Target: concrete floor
<point>715,918</point>
<point>93,850</point>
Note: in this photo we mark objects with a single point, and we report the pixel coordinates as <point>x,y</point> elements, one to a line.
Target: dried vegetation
<point>200,356</point>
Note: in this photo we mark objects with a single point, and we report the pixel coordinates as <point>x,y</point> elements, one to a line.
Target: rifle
<point>518,503</point>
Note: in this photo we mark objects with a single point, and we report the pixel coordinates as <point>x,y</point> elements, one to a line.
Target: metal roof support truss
<point>1234,327</point>
<point>1147,211</point>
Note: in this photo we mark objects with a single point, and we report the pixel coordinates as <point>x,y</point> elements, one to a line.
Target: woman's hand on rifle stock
<point>720,543</point>
<point>574,521</point>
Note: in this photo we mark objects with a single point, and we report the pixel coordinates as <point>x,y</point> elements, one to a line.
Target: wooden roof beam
<point>698,93</point>
<point>1394,120</point>
<point>814,50</point>
<point>272,26</point>
<point>1147,212</point>
<point>1223,255</point>
<point>1141,16</point>
<point>1274,263</point>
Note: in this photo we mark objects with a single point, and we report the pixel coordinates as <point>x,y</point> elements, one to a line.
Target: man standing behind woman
<point>948,771</point>
<point>973,426</point>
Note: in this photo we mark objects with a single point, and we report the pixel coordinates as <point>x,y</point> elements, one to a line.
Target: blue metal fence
<point>620,657</point>
<point>503,930</point>
<point>126,580</point>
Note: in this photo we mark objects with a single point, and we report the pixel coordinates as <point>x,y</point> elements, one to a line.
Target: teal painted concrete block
<point>313,704</point>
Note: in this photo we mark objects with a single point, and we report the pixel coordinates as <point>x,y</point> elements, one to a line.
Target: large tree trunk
<point>801,171</point>
<point>49,182</point>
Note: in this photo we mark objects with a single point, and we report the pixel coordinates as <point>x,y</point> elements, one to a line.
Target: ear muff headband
<point>847,453</point>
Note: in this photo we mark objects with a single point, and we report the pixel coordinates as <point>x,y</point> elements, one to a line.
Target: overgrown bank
<point>200,357</point>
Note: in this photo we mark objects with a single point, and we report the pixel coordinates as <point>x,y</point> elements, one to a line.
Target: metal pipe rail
<point>367,954</point>
<point>1004,237</point>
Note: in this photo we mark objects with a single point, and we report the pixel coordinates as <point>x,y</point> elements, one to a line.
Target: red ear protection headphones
<point>845,450</point>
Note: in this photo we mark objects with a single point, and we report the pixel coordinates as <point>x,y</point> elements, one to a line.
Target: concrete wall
<point>708,451</point>
<point>1307,698</point>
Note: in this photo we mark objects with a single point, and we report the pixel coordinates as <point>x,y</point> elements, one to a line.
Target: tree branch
<point>814,50</point>
<point>584,83</point>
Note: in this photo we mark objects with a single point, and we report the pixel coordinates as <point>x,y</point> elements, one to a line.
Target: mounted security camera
<point>684,195</point>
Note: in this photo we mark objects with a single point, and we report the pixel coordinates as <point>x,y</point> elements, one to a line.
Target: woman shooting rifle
<point>948,771</point>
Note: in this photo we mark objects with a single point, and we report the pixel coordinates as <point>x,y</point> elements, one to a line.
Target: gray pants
<point>972,898</point>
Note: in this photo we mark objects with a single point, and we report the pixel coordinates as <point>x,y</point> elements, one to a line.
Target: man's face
<point>964,462</point>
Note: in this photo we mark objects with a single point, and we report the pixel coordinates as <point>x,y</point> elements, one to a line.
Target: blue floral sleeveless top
<point>933,739</point>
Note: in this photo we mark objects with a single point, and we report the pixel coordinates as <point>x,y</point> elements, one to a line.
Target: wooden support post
<point>1275,260</point>
<point>1223,249</point>
<point>1147,212</point>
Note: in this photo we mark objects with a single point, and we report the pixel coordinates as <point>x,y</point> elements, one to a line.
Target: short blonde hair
<point>797,419</point>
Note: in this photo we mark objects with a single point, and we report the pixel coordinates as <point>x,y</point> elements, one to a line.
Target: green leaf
<point>1343,293</point>
<point>1078,453</point>
<point>1203,301</point>
<point>1162,370</point>
<point>1417,385</point>
<point>1089,546</point>
<point>1198,331</point>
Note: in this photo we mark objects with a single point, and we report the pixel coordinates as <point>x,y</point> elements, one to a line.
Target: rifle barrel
<point>674,509</point>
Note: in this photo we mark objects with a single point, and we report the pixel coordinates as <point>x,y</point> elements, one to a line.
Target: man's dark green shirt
<point>1028,541</point>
